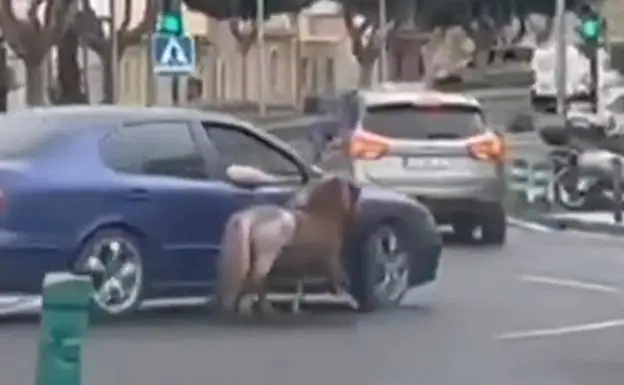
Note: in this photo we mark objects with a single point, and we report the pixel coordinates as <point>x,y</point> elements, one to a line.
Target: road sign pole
<point>175,81</point>
<point>174,51</point>
<point>560,61</point>
<point>261,57</point>
<point>150,88</point>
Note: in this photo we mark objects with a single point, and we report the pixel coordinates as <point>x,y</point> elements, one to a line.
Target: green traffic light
<point>591,29</point>
<point>171,23</point>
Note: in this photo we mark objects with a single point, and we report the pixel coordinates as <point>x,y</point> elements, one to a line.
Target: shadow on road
<point>313,316</point>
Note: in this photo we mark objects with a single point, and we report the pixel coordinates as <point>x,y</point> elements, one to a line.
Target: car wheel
<point>464,226</point>
<point>491,222</point>
<point>384,257</point>
<point>114,261</point>
<point>494,226</point>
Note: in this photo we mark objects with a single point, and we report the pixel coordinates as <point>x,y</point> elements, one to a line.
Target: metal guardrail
<point>530,169</point>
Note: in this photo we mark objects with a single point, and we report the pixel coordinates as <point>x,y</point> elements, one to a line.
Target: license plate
<point>426,163</point>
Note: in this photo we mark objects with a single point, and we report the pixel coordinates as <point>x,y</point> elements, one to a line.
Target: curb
<point>582,225</point>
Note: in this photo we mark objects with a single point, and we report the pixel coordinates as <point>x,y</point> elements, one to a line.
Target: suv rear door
<point>428,149</point>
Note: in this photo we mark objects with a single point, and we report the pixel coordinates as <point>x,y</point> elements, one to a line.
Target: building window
<point>222,79</point>
<point>330,78</point>
<point>274,72</point>
<point>304,73</point>
<point>314,86</point>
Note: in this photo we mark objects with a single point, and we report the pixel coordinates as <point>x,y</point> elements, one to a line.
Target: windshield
<point>409,121</point>
<point>23,137</point>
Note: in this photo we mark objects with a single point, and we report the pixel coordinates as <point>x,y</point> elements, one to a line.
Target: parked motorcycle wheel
<point>596,197</point>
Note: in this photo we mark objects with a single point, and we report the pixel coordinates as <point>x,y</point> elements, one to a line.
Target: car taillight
<point>368,146</point>
<point>488,147</point>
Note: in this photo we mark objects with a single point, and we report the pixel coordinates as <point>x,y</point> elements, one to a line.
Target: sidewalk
<point>596,221</point>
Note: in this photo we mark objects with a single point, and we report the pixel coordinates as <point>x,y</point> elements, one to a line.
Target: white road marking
<point>555,332</point>
<point>570,283</point>
<point>528,225</point>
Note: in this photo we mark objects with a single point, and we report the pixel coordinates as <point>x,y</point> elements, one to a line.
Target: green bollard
<point>64,322</point>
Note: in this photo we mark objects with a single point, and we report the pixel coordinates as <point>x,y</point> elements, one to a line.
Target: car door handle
<point>138,194</point>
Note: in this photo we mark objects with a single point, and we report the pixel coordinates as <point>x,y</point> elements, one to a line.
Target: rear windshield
<point>24,137</point>
<point>424,122</point>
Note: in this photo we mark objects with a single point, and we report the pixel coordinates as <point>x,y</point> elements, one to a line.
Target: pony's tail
<point>235,261</point>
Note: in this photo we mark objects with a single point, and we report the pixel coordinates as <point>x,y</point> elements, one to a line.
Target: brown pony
<point>269,243</point>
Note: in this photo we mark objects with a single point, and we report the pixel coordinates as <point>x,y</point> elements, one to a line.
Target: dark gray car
<point>436,147</point>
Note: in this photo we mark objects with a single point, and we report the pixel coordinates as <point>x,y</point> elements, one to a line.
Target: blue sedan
<point>137,198</point>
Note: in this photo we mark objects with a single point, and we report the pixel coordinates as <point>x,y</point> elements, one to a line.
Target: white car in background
<point>543,67</point>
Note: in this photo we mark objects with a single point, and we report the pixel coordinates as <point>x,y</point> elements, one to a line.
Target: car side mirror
<point>249,177</point>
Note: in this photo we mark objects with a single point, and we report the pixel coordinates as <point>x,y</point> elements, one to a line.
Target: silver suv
<point>433,146</point>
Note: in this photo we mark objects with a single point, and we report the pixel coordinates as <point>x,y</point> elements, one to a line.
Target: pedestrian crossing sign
<point>173,55</point>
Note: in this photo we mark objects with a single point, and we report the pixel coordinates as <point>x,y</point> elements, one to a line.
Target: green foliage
<point>224,9</point>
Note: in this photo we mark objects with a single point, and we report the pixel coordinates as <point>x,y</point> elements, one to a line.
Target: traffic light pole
<point>594,76</point>
<point>560,58</point>
<point>175,80</point>
<point>4,77</point>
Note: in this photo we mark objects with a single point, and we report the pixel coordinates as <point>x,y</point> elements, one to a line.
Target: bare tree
<point>68,88</point>
<point>90,28</point>
<point>366,41</point>
<point>245,33</point>
<point>32,38</point>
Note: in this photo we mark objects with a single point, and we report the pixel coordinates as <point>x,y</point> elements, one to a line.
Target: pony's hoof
<point>246,307</point>
<point>264,309</point>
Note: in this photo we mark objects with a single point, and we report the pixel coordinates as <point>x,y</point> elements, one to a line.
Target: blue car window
<point>159,148</point>
<point>237,147</point>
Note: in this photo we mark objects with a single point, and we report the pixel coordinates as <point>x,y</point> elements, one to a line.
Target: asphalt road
<point>544,310</point>
<point>483,325</point>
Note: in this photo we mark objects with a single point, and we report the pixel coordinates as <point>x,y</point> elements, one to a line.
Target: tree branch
<point>127,16</point>
<point>11,27</point>
<point>134,35</point>
<point>33,8</point>
<point>60,15</point>
<point>244,38</point>
<point>89,28</point>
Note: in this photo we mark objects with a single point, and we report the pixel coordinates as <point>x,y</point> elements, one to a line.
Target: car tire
<point>113,258</point>
<point>384,249</point>
<point>464,226</point>
<point>491,220</point>
<point>494,226</point>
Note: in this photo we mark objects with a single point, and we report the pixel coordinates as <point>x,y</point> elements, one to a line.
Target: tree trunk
<point>366,72</point>
<point>35,87</point>
<point>244,55</point>
<point>107,76</point>
<point>70,91</point>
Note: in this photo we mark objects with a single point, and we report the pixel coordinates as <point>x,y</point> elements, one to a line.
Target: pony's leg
<point>265,307</point>
<point>296,304</point>
<point>256,281</point>
<point>338,280</point>
<point>246,304</point>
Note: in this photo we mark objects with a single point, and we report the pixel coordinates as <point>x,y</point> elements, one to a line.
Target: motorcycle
<point>584,167</point>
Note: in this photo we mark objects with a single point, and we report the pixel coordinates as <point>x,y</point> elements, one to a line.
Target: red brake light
<point>488,147</point>
<point>368,146</point>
